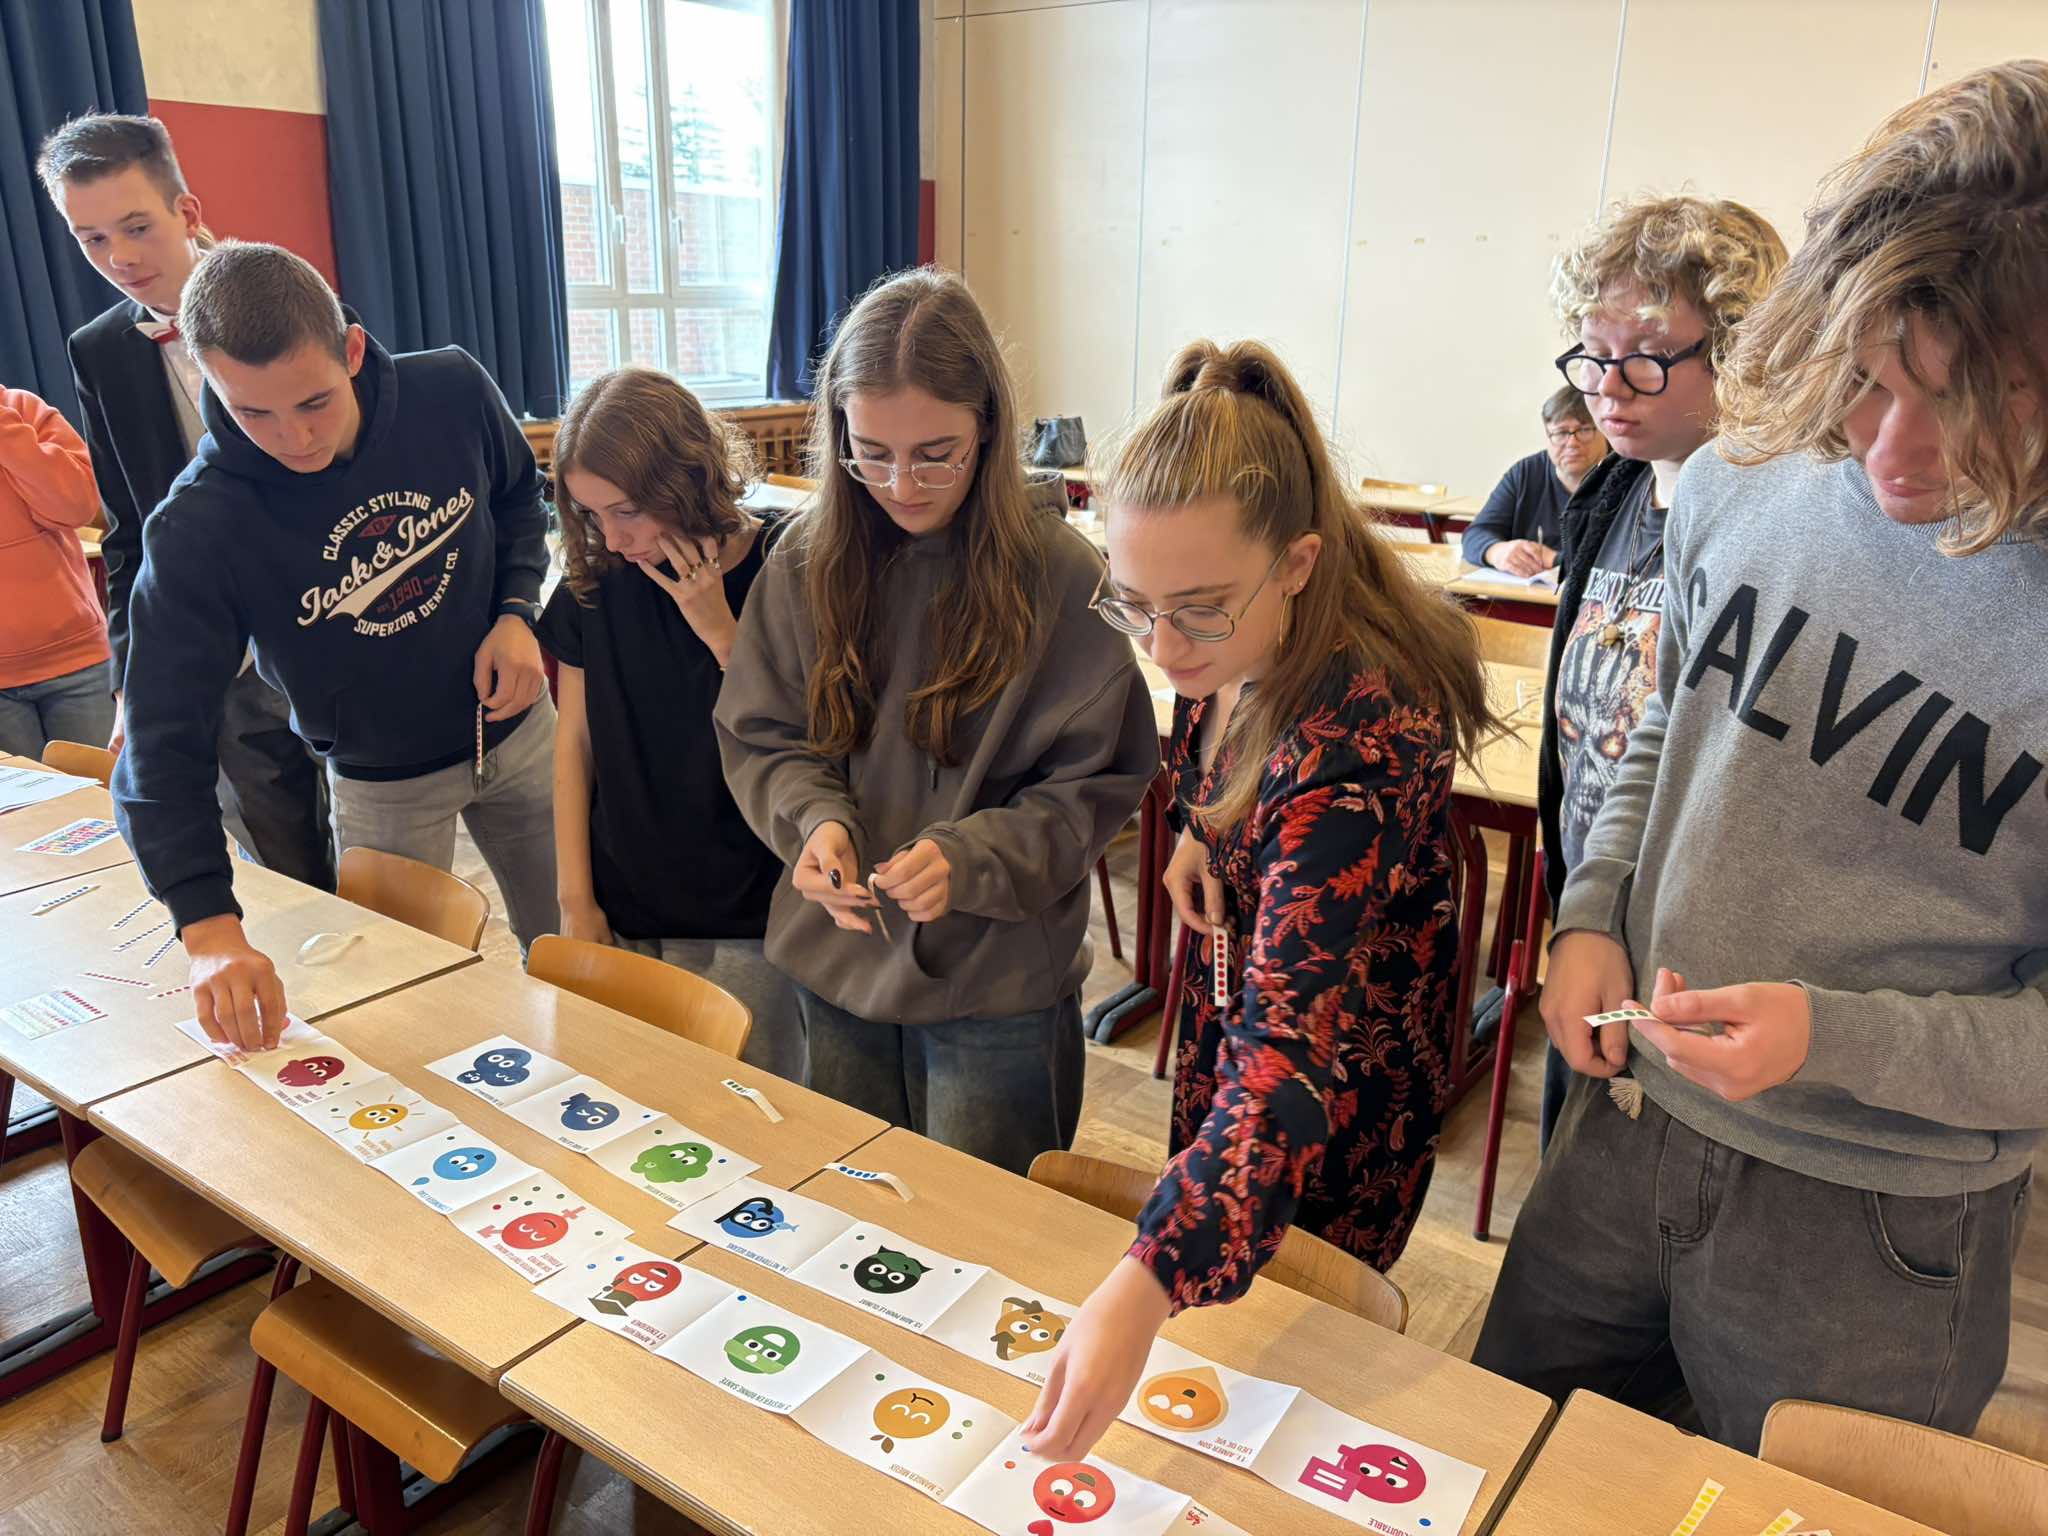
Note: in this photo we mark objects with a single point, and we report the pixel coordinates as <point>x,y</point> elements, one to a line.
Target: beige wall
<point>232,53</point>
<point>1379,187</point>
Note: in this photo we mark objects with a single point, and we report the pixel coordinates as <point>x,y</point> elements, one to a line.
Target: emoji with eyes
<point>638,1282</point>
<point>580,1112</point>
<point>909,1413</point>
<point>1026,1328</point>
<point>763,1351</point>
<point>499,1069</point>
<point>536,1229</point>
<point>464,1163</point>
<point>675,1163</point>
<point>377,1117</point>
<point>1184,1400</point>
<point>1073,1493</point>
<point>311,1071</point>
<point>888,1273</point>
<point>756,1216</point>
<point>1377,1472</point>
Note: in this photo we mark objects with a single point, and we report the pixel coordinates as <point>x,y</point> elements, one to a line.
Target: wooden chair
<point>1303,1263</point>
<point>76,757</point>
<point>790,482</point>
<point>416,894</point>
<point>385,1396</point>
<point>1928,1475</point>
<point>649,989</point>
<point>1514,645</point>
<point>1432,527</point>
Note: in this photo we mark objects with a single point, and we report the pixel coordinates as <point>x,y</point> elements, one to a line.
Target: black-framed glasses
<point>1204,623</point>
<point>882,474</point>
<point>1571,434</point>
<point>1647,373</point>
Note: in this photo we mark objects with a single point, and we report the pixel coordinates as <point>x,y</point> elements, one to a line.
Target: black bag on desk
<point>1059,442</point>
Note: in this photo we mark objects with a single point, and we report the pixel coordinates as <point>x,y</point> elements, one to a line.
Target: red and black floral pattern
<point>1317,1096</point>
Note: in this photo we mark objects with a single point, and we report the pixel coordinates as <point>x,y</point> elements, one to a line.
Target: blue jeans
<point>1002,1090</point>
<point>776,1042</point>
<point>79,706</point>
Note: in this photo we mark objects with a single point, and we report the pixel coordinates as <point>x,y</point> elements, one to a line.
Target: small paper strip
<point>57,901</point>
<point>869,1176</point>
<point>1709,1495</point>
<point>756,1097</point>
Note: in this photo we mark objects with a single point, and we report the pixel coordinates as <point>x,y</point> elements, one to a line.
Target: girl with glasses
<point>938,739</point>
<point>1324,697</point>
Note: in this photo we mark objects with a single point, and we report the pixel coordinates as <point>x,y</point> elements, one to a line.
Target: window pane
<point>573,75</point>
<point>643,338</point>
<point>722,349</point>
<point>718,139</point>
<point>634,91</point>
<point>593,344</point>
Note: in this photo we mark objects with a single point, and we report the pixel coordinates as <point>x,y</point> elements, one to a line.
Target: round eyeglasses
<point>881,475</point>
<point>1204,623</point>
<point>1646,373</point>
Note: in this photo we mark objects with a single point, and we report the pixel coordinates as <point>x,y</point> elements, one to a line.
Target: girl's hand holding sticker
<point>1098,1363</point>
<point>1196,894</point>
<point>1589,973</point>
<point>919,879</point>
<point>1767,1032</point>
<point>826,872</point>
<point>698,588</point>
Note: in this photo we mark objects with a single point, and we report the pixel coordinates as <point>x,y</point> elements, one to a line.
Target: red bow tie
<point>167,335</point>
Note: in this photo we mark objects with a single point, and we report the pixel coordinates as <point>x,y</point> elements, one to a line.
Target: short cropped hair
<point>1718,255</point>
<point>1567,404</point>
<point>255,303</point>
<point>105,144</point>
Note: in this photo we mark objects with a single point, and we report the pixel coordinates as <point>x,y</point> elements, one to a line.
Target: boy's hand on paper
<point>1769,1031</point>
<point>508,673</point>
<point>1197,895</point>
<point>1589,973</point>
<point>236,994</point>
<point>1097,1365</point>
<point>828,852</point>
<point>919,880</point>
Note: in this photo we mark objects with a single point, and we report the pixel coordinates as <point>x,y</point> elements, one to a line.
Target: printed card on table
<point>1196,1518</point>
<point>306,1072</point>
<point>582,1114</point>
<point>501,1071</point>
<point>296,1032</point>
<point>633,1292</point>
<point>451,1168</point>
<point>1015,1493</point>
<point>1362,1474</point>
<point>911,1285</point>
<point>1218,1411</point>
<point>81,836</point>
<point>375,1116</point>
<point>48,1012</point>
<point>772,1358</point>
<point>907,1426</point>
<point>672,1163</point>
<point>1007,1325</point>
<point>757,1221</point>
<point>536,1224</point>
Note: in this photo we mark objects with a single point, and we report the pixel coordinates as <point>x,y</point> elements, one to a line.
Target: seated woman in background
<point>1324,697</point>
<point>1517,530</point>
<point>651,854</point>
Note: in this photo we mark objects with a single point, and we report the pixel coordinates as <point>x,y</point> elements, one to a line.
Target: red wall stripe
<point>260,174</point>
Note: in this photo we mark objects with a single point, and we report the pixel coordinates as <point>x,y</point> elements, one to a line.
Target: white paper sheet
<point>760,1353</point>
<point>535,1225</point>
<point>911,1285</point>
<point>501,1071</point>
<point>673,1163</point>
<point>770,1226</point>
<point>375,1116</point>
<point>581,1114</point>
<point>912,1429</point>
<point>451,1168</point>
<point>633,1292</point>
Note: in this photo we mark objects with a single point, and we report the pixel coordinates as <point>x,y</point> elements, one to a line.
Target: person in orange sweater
<point>54,684</point>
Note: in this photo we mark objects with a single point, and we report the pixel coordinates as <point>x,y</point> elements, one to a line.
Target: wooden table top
<point>1387,498</point>
<point>136,1042</point>
<point>1442,566</point>
<point>595,1386</point>
<point>1605,1468</point>
<point>215,1131</point>
<point>24,871</point>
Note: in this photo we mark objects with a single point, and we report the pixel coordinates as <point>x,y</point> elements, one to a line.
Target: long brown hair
<point>919,329</point>
<point>653,439</point>
<point>1944,215</point>
<point>1233,422</point>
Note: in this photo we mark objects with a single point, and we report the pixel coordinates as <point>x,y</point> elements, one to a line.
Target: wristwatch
<point>520,607</point>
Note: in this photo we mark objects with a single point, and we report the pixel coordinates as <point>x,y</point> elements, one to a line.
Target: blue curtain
<point>58,58</point>
<point>849,183</point>
<point>447,203</point>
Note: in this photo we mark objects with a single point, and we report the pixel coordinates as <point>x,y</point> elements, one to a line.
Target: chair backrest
<point>76,757</point>
<point>1517,645</point>
<point>790,482</point>
<point>660,994</point>
<point>1304,1262</point>
<point>413,893</point>
<point>1925,1474</point>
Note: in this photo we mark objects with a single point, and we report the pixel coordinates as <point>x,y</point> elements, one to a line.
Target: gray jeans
<point>78,706</point>
<point>1002,1090</point>
<point>776,1043</point>
<point>512,819</point>
<point>1656,1266</point>
<point>272,789</point>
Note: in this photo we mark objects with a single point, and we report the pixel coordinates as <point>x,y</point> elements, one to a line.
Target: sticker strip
<point>171,991</point>
<point>758,1099</point>
<point>1787,1518</point>
<point>1219,949</point>
<point>133,912</point>
<point>1709,1495</point>
<point>868,1177</point>
<point>162,950</point>
<point>126,981</point>
<point>57,901</point>
<point>139,935</point>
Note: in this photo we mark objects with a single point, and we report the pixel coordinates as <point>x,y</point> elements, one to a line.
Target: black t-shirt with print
<point>670,855</point>
<point>1608,665</point>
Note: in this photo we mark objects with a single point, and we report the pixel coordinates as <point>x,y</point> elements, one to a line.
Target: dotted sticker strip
<point>126,981</point>
<point>134,912</point>
<point>162,950</point>
<point>140,934</point>
<point>57,901</point>
<point>1787,1518</point>
<point>171,991</point>
<point>1219,946</point>
<point>1709,1495</point>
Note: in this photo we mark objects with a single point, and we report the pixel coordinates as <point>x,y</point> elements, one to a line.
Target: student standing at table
<point>1518,528</point>
<point>372,526</point>
<point>117,183</point>
<point>923,719</point>
<point>1653,293</point>
<point>1826,838</point>
<point>53,647</point>
<point>651,854</point>
<point>1324,698</point>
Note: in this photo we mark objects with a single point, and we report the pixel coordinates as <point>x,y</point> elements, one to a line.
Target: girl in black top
<point>651,853</point>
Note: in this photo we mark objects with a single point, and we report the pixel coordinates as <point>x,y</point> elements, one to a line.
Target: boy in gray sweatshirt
<point>1821,865</point>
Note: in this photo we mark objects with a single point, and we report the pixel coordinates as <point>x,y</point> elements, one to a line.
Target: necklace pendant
<point>1610,637</point>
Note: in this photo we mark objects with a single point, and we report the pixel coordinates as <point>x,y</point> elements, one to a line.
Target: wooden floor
<point>171,1471</point>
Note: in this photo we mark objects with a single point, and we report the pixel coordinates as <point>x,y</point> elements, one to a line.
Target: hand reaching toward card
<point>236,994</point>
<point>1767,1032</point>
<point>1097,1366</point>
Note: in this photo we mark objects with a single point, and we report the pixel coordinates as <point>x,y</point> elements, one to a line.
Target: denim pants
<point>272,789</point>
<point>512,819</point>
<point>1002,1090</point>
<point>79,706</point>
<point>1673,1273</point>
<point>776,1043</point>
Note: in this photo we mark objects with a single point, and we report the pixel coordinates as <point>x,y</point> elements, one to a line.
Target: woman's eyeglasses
<point>882,475</point>
<point>1646,373</point>
<point>1204,623</point>
<point>1563,435</point>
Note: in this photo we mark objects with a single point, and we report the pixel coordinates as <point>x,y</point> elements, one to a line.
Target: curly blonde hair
<point>1716,254</point>
<point>1943,216</point>
<point>654,440</point>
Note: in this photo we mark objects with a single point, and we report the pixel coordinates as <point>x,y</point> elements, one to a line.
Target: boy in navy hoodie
<point>372,526</point>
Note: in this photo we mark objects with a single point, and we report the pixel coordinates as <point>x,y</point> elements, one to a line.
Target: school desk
<point>1608,1469</point>
<point>137,1042</point>
<point>594,1387</point>
<point>1441,566</point>
<point>215,1131</point>
<point>21,871</point>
